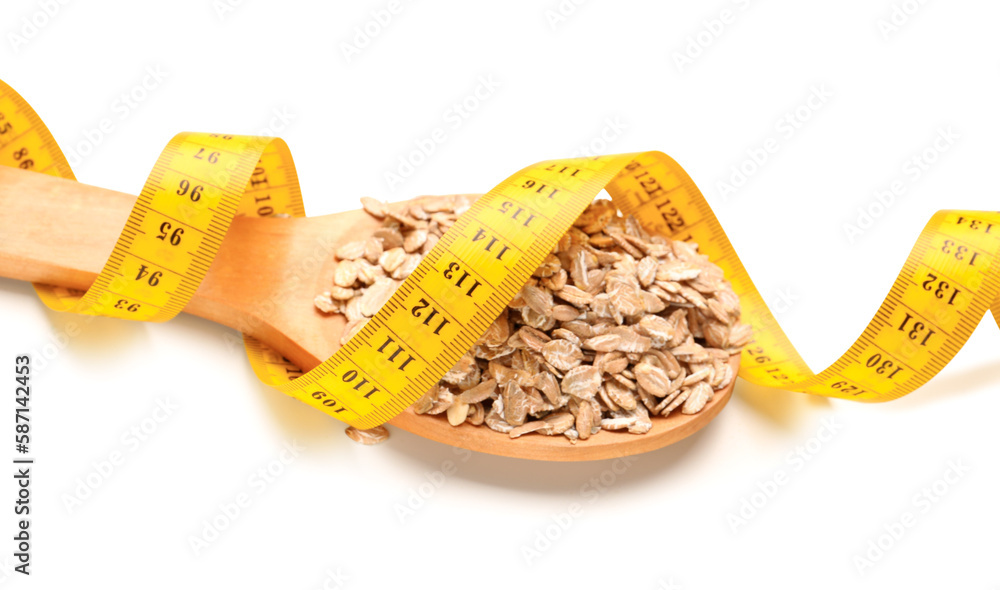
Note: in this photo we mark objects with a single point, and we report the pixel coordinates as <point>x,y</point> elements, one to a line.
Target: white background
<point>665,521</point>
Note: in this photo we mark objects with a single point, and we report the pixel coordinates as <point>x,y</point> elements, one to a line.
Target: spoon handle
<point>56,231</point>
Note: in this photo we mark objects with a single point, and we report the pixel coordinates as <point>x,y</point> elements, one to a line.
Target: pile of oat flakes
<point>616,326</point>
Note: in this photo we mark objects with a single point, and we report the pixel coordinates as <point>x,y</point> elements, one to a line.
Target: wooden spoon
<point>262,283</point>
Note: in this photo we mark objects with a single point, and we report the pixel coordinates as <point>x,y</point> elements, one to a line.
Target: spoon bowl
<point>262,283</point>
<point>606,444</point>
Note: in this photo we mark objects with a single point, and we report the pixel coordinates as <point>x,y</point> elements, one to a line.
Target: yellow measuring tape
<point>949,282</point>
